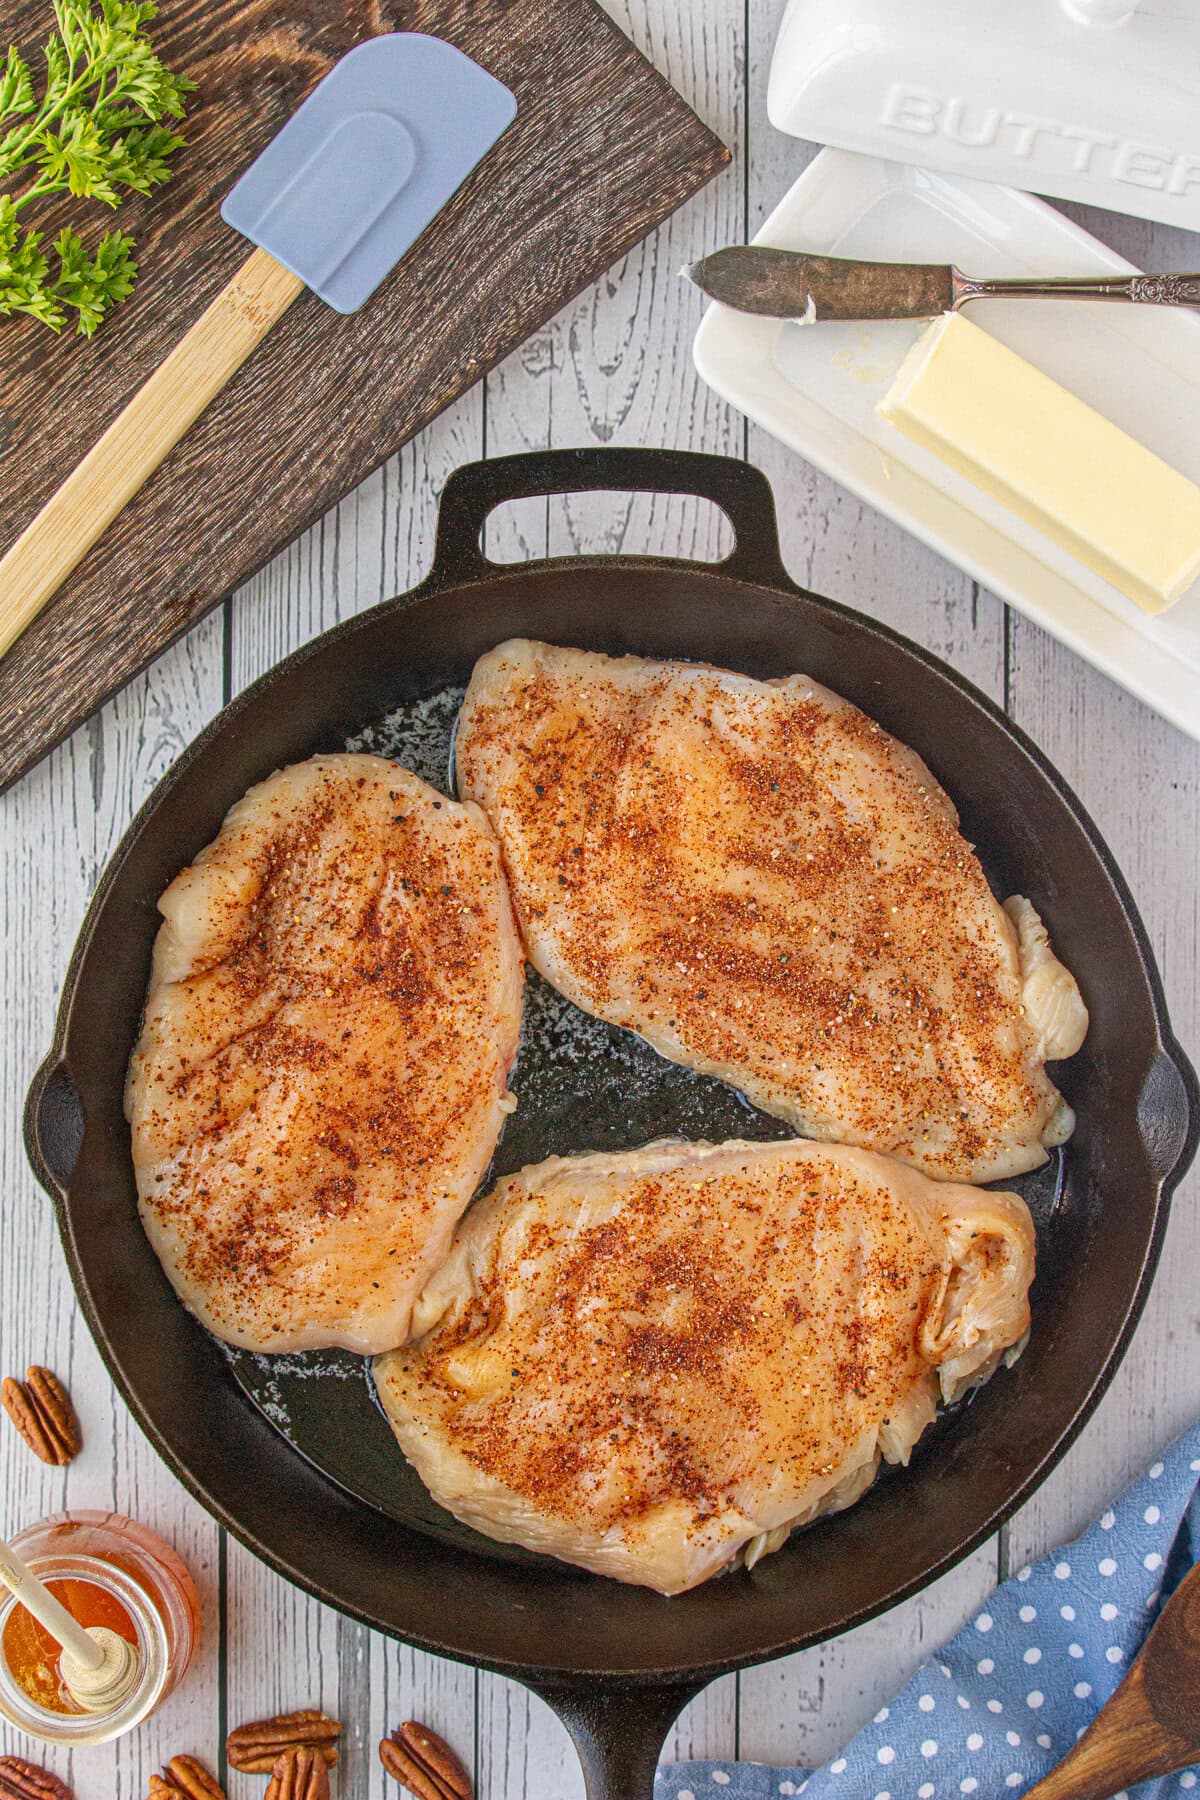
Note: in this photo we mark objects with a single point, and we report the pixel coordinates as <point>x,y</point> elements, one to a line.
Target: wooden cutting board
<point>601,150</point>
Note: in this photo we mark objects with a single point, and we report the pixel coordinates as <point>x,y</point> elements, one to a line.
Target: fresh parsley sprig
<point>96,132</point>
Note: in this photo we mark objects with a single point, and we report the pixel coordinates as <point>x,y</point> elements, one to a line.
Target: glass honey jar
<point>107,1571</point>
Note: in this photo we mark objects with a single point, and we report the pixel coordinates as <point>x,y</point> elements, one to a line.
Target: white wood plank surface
<point>614,367</point>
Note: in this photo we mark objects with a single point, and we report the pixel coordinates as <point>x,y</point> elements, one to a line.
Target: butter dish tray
<point>815,388</point>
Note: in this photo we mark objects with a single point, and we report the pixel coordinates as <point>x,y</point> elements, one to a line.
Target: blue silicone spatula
<point>331,204</point>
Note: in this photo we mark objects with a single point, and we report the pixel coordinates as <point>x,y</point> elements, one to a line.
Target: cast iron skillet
<point>618,1663</point>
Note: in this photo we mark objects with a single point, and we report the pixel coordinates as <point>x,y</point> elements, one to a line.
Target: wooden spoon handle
<point>139,438</point>
<point>1151,1725</point>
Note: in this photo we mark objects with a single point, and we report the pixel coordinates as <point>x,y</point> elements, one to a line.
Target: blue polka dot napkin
<point>1000,1705</point>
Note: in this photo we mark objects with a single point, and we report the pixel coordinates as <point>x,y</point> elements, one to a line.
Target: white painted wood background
<point>614,367</point>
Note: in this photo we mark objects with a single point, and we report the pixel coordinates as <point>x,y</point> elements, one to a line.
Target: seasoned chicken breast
<point>761,882</point>
<point>320,1079</point>
<point>647,1363</point>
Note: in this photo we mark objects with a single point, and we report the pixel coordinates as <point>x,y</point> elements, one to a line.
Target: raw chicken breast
<point>320,1079</point>
<point>768,888</point>
<point>647,1363</point>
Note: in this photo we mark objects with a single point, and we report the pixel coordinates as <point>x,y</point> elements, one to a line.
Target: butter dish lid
<point>1089,100</point>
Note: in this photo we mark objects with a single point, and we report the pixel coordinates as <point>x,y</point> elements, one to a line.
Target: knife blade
<point>784,284</point>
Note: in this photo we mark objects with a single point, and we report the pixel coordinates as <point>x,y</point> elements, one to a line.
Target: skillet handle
<point>1168,1114</point>
<point>742,492</point>
<point>619,1731</point>
<point>53,1126</point>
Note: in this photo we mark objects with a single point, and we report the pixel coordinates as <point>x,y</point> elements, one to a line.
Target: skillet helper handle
<point>139,438</point>
<point>741,491</point>
<point>54,1125</point>
<point>1168,1114</point>
<point>619,1732</point>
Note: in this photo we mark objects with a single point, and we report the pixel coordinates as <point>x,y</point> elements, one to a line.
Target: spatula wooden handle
<point>139,438</point>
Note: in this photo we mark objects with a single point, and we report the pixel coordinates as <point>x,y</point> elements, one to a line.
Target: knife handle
<point>1152,290</point>
<point>139,438</point>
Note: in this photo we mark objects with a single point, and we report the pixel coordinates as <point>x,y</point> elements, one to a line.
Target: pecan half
<point>21,1780</point>
<point>255,1749</point>
<point>41,1410</point>
<point>163,1790</point>
<point>187,1776</point>
<point>299,1775</point>
<point>424,1763</point>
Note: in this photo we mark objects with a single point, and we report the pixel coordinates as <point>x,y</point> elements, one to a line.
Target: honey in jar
<point>107,1571</point>
<point>31,1655</point>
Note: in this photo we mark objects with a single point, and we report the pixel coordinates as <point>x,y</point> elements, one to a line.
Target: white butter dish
<point>816,388</point>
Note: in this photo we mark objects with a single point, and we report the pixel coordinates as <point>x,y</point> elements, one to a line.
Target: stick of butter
<point>1063,468</point>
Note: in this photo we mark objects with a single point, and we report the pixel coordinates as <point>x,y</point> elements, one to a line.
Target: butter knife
<point>785,284</point>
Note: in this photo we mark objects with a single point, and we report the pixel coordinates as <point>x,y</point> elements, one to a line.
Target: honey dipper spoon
<point>1151,1725</point>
